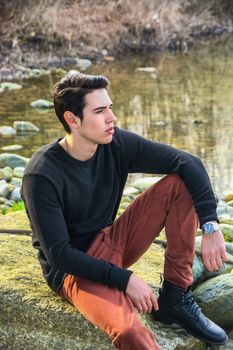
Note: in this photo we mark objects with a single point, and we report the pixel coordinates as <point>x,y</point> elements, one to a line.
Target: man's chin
<point>106,141</point>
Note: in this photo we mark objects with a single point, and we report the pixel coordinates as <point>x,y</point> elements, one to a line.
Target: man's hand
<point>141,294</point>
<point>213,250</point>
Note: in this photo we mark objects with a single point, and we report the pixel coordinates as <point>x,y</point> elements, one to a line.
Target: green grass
<point>16,207</point>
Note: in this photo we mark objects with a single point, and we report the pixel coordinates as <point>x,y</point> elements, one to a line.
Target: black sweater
<point>68,201</point>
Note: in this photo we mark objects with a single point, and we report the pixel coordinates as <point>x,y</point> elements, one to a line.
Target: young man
<point>72,189</point>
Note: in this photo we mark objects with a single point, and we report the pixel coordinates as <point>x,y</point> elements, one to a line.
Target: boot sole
<point>168,320</point>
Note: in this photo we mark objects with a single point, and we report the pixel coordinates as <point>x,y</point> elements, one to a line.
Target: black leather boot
<point>176,305</point>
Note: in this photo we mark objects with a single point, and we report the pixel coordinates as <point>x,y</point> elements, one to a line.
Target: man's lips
<point>110,130</point>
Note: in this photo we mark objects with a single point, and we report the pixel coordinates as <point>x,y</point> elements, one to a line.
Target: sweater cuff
<point>120,277</point>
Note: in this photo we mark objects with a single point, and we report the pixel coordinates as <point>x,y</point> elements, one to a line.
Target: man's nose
<point>111,116</point>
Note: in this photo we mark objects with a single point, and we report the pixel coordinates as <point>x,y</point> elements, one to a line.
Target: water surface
<point>191,94</point>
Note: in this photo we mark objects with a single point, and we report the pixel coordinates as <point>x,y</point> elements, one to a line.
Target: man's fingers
<point>154,302</point>
<point>224,256</point>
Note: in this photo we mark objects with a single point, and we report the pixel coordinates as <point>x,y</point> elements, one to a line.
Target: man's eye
<point>99,111</point>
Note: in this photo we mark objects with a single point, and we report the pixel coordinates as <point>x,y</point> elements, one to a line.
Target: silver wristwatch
<point>210,227</point>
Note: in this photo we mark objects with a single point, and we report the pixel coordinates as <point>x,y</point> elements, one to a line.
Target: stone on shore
<point>25,126</point>
<point>7,131</point>
<point>6,173</point>
<point>4,189</point>
<point>10,86</point>
<point>18,172</point>
<point>15,195</point>
<point>147,69</point>
<point>12,147</point>
<point>12,160</point>
<point>42,104</point>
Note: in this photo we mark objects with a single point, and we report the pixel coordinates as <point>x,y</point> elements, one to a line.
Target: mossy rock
<point>215,297</point>
<point>34,318</point>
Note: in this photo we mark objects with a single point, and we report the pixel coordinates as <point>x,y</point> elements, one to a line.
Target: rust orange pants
<point>165,204</point>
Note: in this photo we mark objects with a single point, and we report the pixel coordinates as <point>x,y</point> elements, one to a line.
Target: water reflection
<point>191,95</point>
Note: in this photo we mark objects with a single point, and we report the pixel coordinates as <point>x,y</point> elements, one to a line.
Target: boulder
<point>10,86</point>
<point>215,297</point>
<point>7,131</point>
<point>32,316</point>
<point>12,160</point>
<point>42,104</point>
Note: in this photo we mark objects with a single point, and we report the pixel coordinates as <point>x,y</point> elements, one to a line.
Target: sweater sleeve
<point>157,158</point>
<point>48,223</point>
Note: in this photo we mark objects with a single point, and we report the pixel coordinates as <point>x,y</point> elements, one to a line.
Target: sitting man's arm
<point>49,227</point>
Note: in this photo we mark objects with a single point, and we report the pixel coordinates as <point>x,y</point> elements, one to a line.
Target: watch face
<point>209,227</point>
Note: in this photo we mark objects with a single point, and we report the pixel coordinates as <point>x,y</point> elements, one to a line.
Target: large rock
<point>21,125</point>
<point>12,160</point>
<point>33,317</point>
<point>215,297</point>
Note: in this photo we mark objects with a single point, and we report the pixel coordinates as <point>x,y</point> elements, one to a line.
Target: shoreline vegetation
<point>48,34</point>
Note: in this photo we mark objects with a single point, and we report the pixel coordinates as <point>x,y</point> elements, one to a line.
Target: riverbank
<point>49,34</point>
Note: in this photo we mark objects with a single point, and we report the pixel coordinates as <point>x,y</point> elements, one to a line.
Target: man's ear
<point>72,120</point>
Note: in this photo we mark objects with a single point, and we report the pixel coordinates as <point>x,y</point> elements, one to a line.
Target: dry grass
<point>85,27</point>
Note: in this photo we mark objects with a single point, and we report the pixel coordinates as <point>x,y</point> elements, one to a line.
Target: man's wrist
<point>210,227</point>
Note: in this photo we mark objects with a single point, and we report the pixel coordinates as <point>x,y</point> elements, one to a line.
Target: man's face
<point>98,121</point>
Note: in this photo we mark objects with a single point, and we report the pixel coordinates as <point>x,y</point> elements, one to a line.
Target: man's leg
<point>108,308</point>
<point>168,204</point>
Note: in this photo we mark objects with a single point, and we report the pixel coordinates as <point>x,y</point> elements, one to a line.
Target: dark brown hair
<point>69,93</point>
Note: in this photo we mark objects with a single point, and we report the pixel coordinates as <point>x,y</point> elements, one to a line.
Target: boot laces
<point>190,305</point>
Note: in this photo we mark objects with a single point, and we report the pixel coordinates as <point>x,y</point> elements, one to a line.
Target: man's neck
<point>78,149</point>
